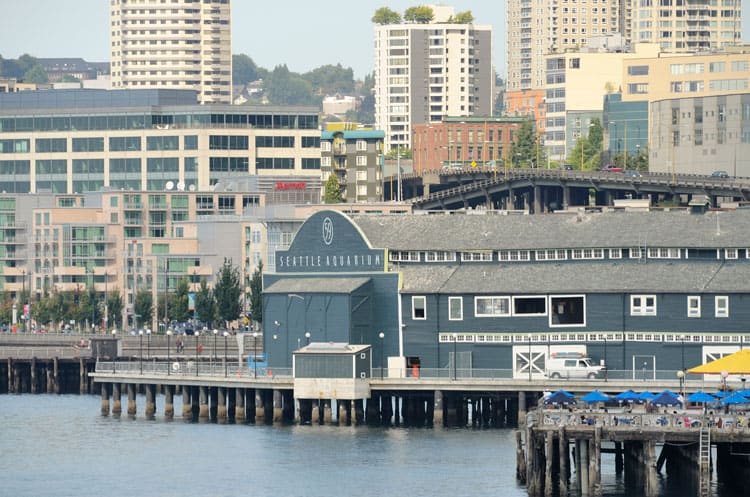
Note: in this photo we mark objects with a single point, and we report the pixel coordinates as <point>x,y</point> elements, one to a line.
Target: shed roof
<point>316,285</point>
<point>590,277</point>
<point>465,232</point>
<point>331,348</point>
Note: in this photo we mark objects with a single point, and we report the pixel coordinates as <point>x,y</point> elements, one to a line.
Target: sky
<point>299,33</point>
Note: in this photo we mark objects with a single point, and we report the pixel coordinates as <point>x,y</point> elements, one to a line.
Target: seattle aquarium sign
<point>329,242</point>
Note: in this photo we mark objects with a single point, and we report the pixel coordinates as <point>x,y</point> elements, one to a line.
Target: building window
<point>615,253</point>
<point>419,307</point>
<point>694,306</point>
<point>476,256</point>
<point>404,256</point>
<point>643,305</point>
<point>455,308</point>
<point>587,253</point>
<point>567,310</point>
<point>439,256</point>
<point>730,253</point>
<point>491,306</point>
<point>722,306</point>
<point>663,253</point>
<point>361,160</point>
<point>529,306</point>
<point>551,255</point>
<point>513,255</point>
<point>325,146</point>
<point>361,146</point>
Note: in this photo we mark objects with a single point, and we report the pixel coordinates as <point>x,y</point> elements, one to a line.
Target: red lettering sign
<point>290,185</point>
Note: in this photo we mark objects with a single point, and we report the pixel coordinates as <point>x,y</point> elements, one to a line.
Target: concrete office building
<point>67,141</point>
<point>183,44</point>
<point>424,72</point>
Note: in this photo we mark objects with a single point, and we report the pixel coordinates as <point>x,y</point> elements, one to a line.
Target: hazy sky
<point>299,33</point>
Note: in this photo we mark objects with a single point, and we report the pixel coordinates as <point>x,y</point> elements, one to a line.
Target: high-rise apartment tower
<point>180,44</point>
<point>425,72</point>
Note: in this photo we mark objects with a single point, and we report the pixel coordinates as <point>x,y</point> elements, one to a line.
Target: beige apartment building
<point>699,110</point>
<point>424,72</point>
<point>181,44</point>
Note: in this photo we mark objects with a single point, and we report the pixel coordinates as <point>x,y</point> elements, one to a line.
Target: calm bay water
<point>61,446</point>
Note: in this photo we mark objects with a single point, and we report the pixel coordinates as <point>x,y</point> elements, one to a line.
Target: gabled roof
<point>578,277</point>
<point>465,232</point>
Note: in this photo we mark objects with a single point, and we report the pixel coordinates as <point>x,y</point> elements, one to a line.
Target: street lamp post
<point>682,350</point>
<point>307,337</point>
<point>255,354</point>
<point>455,357</point>
<point>226,334</point>
<point>606,364</point>
<point>93,300</point>
<point>169,364</point>
<point>216,332</point>
<point>197,334</point>
<point>529,337</point>
<point>114,358</point>
<point>148,343</point>
<point>381,335</point>
<point>681,377</point>
<point>140,349</point>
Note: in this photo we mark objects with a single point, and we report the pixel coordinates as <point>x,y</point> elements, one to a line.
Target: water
<point>61,446</point>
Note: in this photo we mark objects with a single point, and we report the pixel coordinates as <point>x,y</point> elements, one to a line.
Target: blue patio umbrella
<point>627,395</point>
<point>595,396</point>
<point>560,397</point>
<point>735,398</point>
<point>666,398</point>
<point>701,397</point>
<point>646,395</point>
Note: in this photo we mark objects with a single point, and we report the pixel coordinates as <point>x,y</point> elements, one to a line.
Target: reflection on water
<point>61,446</point>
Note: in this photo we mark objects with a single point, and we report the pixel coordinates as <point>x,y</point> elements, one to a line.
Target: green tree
<point>227,292</point>
<point>256,294</point>
<point>384,15</point>
<point>143,307</point>
<point>587,153</point>
<point>36,74</point>
<point>6,308</point>
<point>286,88</point>
<point>330,79</point>
<point>69,79</point>
<point>332,190</point>
<point>114,308</point>
<point>205,304</point>
<point>526,151</point>
<point>244,69</point>
<point>179,308</point>
<point>465,17</point>
<point>419,15</point>
<point>406,153</point>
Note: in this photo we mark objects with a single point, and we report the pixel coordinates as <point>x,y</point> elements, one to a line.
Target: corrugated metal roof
<point>465,232</point>
<point>316,285</point>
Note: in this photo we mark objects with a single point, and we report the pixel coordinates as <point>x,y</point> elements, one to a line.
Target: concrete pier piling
<point>105,399</point>
<point>168,401</point>
<point>116,399</point>
<point>203,413</point>
<point>221,406</point>
<point>564,453</point>
<point>187,407</point>
<point>239,406</point>
<point>150,401</point>
<point>131,400</point>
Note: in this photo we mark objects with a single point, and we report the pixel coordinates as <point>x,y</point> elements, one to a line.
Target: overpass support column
<point>510,203</point>
<point>566,196</point>
<point>537,200</point>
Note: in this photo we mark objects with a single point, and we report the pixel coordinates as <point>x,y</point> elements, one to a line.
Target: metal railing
<point>215,370</point>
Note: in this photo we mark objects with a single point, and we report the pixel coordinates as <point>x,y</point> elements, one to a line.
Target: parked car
<point>632,173</point>
<point>612,168</point>
<point>720,174</point>
<point>567,167</point>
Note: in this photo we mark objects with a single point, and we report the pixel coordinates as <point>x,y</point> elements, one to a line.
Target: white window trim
<point>476,256</point>
<point>414,299</point>
<point>361,160</point>
<point>513,255</point>
<point>549,311</point>
<point>731,253</point>
<point>721,313</point>
<point>615,253</point>
<point>361,146</point>
<point>691,312</point>
<point>526,297</point>
<point>325,146</point>
<point>633,255</point>
<point>477,315</point>
<point>643,309</point>
<point>460,308</point>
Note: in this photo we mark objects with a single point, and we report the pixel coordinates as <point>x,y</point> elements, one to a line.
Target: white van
<point>572,365</point>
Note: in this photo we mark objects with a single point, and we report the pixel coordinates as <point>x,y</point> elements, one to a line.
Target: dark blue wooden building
<point>648,293</point>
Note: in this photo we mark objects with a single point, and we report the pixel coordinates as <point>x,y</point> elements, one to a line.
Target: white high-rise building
<point>425,72</point>
<point>180,44</point>
<point>540,27</point>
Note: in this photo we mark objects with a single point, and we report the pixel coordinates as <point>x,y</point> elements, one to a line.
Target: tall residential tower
<point>183,44</point>
<point>425,72</point>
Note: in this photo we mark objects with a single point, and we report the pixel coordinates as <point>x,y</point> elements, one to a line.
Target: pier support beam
<point>595,475</point>
<point>260,409</point>
<point>131,400</point>
<point>169,401</point>
<point>116,399</point>
<point>649,465</point>
<point>564,452</point>
<point>239,407</point>
<point>150,401</point>
<point>33,375</point>
<point>203,413</point>
<point>278,407</point>
<point>549,450</point>
<point>359,412</point>
<point>187,406</point>
<point>583,467</point>
<point>520,459</point>
<point>82,376</point>
<point>105,399</point>
<point>221,405</point>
